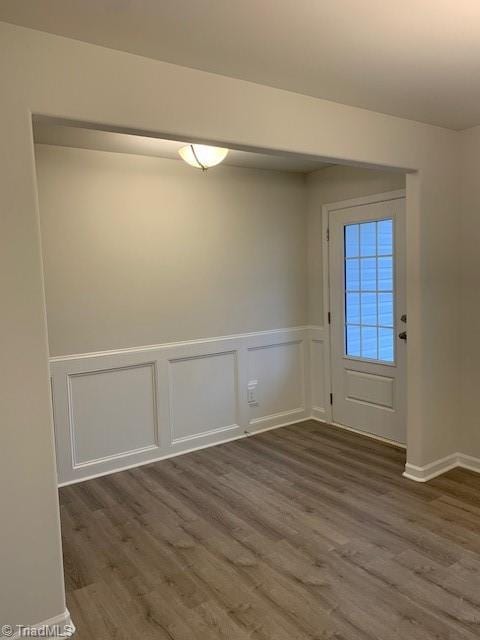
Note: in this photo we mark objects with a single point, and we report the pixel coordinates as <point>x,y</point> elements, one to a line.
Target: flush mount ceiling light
<point>202,156</point>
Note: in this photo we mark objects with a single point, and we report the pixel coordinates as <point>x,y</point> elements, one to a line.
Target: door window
<point>369,290</point>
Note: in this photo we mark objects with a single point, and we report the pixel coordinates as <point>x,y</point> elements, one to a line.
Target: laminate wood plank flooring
<point>306,532</point>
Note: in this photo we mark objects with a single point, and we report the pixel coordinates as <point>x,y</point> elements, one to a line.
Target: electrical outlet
<point>252,393</point>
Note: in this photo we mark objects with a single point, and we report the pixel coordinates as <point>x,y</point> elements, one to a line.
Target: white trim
<point>288,423</point>
<point>468,462</point>
<point>114,456</point>
<point>62,620</point>
<point>372,436</point>
<point>358,202</point>
<point>173,345</point>
<point>293,415</point>
<point>319,335</point>
<point>326,329</point>
<point>208,432</point>
<point>203,434</point>
<point>319,413</point>
<point>431,470</point>
<point>71,421</point>
<point>439,467</point>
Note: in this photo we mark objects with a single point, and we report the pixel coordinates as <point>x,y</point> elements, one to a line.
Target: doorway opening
<point>153,351</point>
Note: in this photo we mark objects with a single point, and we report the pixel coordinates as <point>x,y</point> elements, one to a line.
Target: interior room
<point>238,322</point>
<point>186,307</point>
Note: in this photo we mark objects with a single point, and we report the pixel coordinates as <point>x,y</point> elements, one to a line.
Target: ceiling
<point>47,132</point>
<point>419,59</point>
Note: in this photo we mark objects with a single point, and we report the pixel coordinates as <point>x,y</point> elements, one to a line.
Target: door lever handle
<point>403,335</point>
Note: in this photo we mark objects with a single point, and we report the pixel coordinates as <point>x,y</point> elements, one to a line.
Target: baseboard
<point>320,415</point>
<point>439,467</point>
<point>431,470</point>
<point>343,427</point>
<point>276,420</point>
<point>61,625</point>
<point>468,462</point>
<point>287,423</point>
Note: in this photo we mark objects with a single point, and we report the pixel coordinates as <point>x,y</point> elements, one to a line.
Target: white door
<point>368,321</point>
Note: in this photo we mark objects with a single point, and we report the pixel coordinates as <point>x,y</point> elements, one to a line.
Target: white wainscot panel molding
<point>105,413</point>
<point>279,368</point>
<point>319,373</point>
<point>119,409</point>
<point>112,413</point>
<point>203,396</point>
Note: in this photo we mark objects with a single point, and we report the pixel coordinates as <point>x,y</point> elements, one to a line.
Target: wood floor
<point>303,532</point>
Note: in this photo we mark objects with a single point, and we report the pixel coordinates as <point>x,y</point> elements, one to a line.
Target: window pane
<point>369,343</point>
<point>368,274</point>
<point>385,344</point>
<point>352,245</point>
<point>369,293</point>
<point>353,341</point>
<point>385,274</point>
<point>385,309</point>
<point>353,308</point>
<point>385,237</point>
<point>369,308</point>
<point>368,238</point>
<point>352,274</point>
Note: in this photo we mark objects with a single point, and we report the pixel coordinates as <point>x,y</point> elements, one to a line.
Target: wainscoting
<point>119,409</point>
<point>320,374</point>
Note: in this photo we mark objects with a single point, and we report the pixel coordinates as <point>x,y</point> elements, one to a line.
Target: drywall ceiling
<point>46,132</point>
<point>418,59</point>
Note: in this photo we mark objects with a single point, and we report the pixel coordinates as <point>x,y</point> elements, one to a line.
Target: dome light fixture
<point>202,156</point>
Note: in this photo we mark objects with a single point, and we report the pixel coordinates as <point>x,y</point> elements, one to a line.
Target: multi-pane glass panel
<point>369,290</point>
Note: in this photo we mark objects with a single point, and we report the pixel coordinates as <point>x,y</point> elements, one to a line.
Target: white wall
<point>132,244</point>
<point>335,184</point>
<point>141,251</point>
<point>55,76</point>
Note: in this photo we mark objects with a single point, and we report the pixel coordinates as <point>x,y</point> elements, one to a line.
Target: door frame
<point>327,209</point>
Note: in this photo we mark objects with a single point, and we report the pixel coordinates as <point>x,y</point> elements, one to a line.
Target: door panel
<point>367,301</point>
<point>365,387</point>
